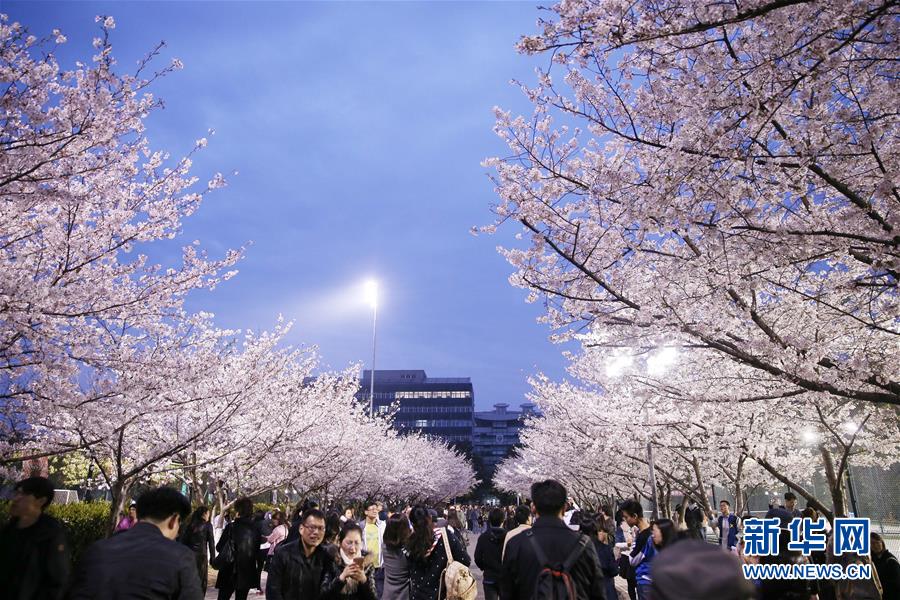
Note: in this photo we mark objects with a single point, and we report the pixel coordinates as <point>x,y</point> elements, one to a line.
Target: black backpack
<point>554,582</point>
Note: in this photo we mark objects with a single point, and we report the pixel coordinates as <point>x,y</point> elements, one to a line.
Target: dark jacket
<point>34,561</point>
<point>199,539</point>
<point>293,531</point>
<point>293,575</point>
<point>693,520</point>
<point>245,534</point>
<point>608,566</point>
<point>521,566</point>
<point>333,587</point>
<point>889,573</point>
<point>138,563</point>
<point>425,572</point>
<point>732,529</point>
<point>488,552</point>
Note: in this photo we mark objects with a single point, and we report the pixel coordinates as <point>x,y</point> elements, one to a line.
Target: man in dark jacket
<point>550,534</point>
<point>727,524</point>
<point>34,554</point>
<point>145,561</point>
<point>488,552</point>
<point>297,568</point>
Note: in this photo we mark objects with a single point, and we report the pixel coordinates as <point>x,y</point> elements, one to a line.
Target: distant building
<point>496,433</point>
<point>438,406</point>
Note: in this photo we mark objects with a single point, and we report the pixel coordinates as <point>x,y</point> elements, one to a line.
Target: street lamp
<point>371,293</point>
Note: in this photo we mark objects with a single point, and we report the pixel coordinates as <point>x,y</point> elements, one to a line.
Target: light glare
<point>659,363</point>
<point>617,364</point>
<point>371,292</point>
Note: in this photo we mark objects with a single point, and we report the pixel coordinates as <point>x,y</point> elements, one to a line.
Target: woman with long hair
<point>243,539</point>
<point>351,576</point>
<point>278,535</point>
<point>591,528</point>
<point>198,536</point>
<point>459,528</point>
<point>664,534</point>
<point>427,556</point>
<point>396,568</point>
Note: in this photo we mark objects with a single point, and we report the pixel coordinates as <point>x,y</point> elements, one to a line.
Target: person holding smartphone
<point>351,575</point>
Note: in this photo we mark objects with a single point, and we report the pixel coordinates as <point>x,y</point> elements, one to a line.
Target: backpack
<point>225,551</point>
<point>554,582</point>
<point>456,578</point>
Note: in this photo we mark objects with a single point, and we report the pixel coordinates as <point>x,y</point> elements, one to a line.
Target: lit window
<point>421,422</point>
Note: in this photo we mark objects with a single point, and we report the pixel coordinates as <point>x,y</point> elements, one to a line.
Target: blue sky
<point>358,130</point>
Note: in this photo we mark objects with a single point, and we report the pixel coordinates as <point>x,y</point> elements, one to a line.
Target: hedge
<point>86,522</point>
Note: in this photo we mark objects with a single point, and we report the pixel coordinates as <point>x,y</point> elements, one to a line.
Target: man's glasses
<point>314,528</point>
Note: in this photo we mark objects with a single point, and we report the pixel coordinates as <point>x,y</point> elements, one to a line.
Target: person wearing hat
<point>127,521</point>
<point>34,552</point>
<point>695,570</point>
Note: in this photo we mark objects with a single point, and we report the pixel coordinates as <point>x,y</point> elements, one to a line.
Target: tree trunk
<point>119,493</point>
<point>666,503</point>
<point>835,483</point>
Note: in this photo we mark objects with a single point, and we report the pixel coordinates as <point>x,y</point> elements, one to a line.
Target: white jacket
<point>381,526</point>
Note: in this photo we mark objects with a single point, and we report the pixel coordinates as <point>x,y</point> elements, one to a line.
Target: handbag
<point>456,578</point>
<point>625,568</point>
<point>224,554</point>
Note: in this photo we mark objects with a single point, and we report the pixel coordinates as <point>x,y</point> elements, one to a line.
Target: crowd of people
<point>546,548</point>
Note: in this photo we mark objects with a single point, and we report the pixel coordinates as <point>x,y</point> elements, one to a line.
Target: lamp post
<point>372,298</point>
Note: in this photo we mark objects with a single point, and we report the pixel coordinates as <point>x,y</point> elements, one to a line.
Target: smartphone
<point>359,560</point>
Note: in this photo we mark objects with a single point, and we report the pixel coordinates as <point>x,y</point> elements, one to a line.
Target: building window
<point>421,423</point>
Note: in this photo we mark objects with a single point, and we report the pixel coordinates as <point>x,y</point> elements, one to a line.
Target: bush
<point>85,522</point>
<point>263,507</point>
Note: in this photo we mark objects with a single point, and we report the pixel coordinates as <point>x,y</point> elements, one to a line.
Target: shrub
<point>84,521</point>
<point>263,507</point>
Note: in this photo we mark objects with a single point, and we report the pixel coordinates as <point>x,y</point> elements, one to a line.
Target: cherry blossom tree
<point>717,175</point>
<point>594,437</point>
<point>99,359</point>
<point>82,191</point>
